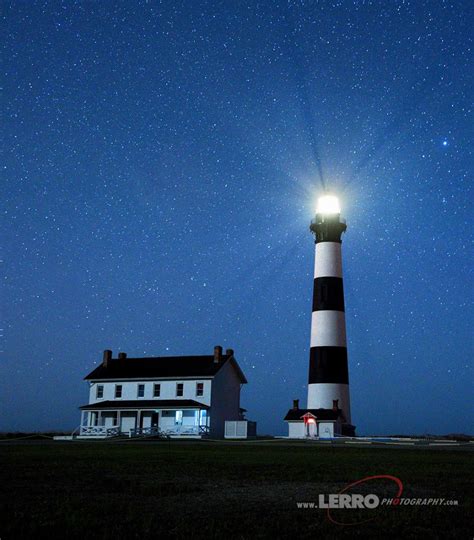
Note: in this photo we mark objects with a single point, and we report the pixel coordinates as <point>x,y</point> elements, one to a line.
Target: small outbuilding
<point>317,423</point>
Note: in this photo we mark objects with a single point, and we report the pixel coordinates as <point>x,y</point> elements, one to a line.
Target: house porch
<point>109,419</point>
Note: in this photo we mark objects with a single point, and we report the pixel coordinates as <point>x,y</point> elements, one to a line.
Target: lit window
<point>179,389</point>
<point>179,417</point>
<point>199,389</point>
<point>118,391</point>
<point>141,390</point>
<point>156,390</point>
<point>100,391</point>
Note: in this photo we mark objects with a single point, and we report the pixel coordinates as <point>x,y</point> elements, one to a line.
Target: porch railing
<point>146,432</point>
<point>113,431</point>
<point>100,431</point>
<point>187,430</point>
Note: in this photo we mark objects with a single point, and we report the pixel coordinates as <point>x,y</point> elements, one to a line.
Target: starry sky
<point>161,166</point>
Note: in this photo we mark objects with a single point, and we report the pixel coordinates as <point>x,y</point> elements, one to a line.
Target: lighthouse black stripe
<point>328,365</point>
<point>328,293</point>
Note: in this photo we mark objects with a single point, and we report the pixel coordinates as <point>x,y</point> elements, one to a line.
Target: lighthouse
<point>328,411</point>
<point>328,381</point>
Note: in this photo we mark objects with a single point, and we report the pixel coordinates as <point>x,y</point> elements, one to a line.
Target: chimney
<point>335,405</point>
<point>122,355</point>
<point>229,352</point>
<point>296,404</point>
<point>217,354</point>
<point>107,358</point>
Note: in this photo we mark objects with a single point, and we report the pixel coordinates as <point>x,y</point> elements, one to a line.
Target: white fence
<point>240,429</point>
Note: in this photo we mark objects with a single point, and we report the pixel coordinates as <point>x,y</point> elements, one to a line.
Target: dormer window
<point>99,394</point>
<point>179,389</point>
<point>141,390</point>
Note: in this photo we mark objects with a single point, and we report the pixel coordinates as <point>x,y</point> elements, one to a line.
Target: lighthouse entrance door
<point>311,428</point>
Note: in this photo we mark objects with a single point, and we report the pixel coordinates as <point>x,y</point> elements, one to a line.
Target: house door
<point>155,419</point>
<point>311,428</point>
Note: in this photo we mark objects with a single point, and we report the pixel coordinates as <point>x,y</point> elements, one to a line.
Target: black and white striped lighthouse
<point>328,410</point>
<point>328,382</point>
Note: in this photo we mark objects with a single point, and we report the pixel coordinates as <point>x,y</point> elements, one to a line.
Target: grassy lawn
<point>207,490</point>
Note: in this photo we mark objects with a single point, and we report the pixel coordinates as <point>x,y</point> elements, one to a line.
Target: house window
<point>199,389</point>
<point>118,391</point>
<point>179,389</point>
<point>156,390</point>
<point>99,391</point>
<point>141,390</point>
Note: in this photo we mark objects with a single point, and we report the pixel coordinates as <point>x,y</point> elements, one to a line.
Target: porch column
<point>139,417</point>
<point>119,419</point>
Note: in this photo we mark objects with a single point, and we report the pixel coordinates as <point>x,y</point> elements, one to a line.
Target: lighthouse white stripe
<point>328,329</point>
<point>328,260</point>
<point>321,396</point>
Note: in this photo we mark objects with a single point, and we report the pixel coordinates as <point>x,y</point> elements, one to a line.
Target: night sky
<point>162,162</point>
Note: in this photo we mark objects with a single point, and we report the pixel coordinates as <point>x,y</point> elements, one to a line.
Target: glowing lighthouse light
<point>328,204</point>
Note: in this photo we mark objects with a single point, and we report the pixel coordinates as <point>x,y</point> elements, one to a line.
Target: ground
<point>122,490</point>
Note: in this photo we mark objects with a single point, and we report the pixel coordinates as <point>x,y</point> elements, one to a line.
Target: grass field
<point>211,490</point>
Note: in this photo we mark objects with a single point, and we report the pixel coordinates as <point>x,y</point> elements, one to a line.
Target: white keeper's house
<point>178,396</point>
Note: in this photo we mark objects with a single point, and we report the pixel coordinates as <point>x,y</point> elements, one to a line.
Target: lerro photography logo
<point>347,499</point>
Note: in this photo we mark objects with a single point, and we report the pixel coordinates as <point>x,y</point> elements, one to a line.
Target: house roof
<point>162,367</point>
<point>319,414</point>
<point>154,404</point>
